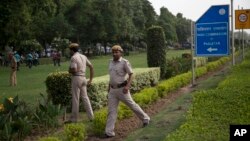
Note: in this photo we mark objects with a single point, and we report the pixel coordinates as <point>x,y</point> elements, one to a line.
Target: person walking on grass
<point>13,65</point>
<point>79,83</point>
<point>118,90</point>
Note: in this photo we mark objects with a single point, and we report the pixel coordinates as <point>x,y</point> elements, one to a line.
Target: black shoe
<point>145,124</point>
<point>69,121</point>
<point>107,136</point>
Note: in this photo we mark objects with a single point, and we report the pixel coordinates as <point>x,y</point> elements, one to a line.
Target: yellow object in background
<point>242,19</point>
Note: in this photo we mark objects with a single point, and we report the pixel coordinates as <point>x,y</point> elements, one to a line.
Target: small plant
<point>46,113</point>
<point>15,122</point>
<point>75,132</point>
<point>99,121</point>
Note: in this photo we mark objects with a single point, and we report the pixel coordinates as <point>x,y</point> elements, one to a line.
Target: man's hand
<point>89,82</point>
<point>125,89</point>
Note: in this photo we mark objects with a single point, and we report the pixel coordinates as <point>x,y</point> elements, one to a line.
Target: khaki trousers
<point>116,95</point>
<point>13,81</point>
<point>79,89</point>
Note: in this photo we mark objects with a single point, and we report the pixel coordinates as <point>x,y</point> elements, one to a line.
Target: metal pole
<point>232,32</point>
<point>243,48</point>
<point>239,37</point>
<point>192,53</point>
<point>243,43</point>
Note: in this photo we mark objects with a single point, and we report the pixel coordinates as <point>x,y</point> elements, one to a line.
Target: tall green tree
<point>167,21</point>
<point>43,13</point>
<point>182,28</point>
<point>15,21</point>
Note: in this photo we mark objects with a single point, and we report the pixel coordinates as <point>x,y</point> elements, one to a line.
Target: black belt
<point>119,85</point>
<point>78,75</point>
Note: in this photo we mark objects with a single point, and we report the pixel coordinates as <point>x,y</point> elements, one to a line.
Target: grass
<point>31,82</point>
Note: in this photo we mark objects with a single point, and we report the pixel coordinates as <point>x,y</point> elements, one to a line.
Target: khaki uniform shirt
<point>118,71</point>
<point>79,62</point>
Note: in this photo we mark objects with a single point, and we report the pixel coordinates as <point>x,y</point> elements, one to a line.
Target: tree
<point>60,44</point>
<point>149,13</point>
<point>156,51</point>
<point>182,28</point>
<point>16,18</point>
<point>167,22</point>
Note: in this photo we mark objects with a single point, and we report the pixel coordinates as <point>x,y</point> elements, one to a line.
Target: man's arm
<point>91,73</point>
<point>129,81</point>
<point>72,70</point>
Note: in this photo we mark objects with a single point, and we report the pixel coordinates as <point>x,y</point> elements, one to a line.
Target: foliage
<point>85,21</point>
<point>99,121</point>
<point>60,44</point>
<point>146,96</point>
<point>124,111</point>
<point>30,45</point>
<point>59,86</point>
<point>167,21</point>
<point>156,51</point>
<point>177,66</point>
<point>183,27</point>
<point>75,132</point>
<point>46,114</point>
<point>214,110</point>
<point>15,121</point>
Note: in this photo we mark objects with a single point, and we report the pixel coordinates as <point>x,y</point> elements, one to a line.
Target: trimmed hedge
<point>59,87</point>
<point>156,49</point>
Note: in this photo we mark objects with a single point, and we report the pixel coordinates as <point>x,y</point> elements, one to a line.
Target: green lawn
<point>31,82</point>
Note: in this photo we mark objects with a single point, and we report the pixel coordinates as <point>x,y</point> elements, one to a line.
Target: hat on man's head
<point>73,45</point>
<point>117,47</point>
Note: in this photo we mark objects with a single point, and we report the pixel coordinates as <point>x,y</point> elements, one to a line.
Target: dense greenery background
<point>86,21</point>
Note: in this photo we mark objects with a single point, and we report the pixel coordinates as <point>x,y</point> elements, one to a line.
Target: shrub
<point>200,71</point>
<point>59,87</point>
<point>156,51</point>
<point>99,121</point>
<point>146,96</point>
<point>124,111</point>
<point>177,66</point>
<point>75,132</point>
<point>46,114</point>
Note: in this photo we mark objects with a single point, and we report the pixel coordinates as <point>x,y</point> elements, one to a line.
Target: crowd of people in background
<point>30,59</point>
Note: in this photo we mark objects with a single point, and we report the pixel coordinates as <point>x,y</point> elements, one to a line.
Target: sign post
<point>242,21</point>
<point>232,32</point>
<point>212,32</point>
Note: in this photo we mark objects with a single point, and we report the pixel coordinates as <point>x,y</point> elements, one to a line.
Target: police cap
<point>117,47</point>
<point>73,45</point>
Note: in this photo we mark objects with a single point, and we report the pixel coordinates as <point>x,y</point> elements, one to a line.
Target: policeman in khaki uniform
<point>118,90</point>
<point>13,65</point>
<point>79,83</point>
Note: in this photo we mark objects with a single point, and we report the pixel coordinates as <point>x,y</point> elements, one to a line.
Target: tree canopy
<point>86,22</point>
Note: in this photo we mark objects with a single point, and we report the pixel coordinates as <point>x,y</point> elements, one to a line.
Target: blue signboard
<point>212,32</point>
